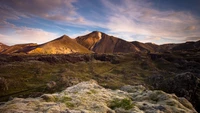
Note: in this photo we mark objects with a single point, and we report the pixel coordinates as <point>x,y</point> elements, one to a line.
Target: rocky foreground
<point>89,97</point>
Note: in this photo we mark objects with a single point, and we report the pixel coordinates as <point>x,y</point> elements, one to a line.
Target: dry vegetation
<point>33,75</point>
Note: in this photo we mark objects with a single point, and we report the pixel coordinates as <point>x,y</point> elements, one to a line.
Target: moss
<point>171,103</point>
<point>65,99</point>
<point>69,104</point>
<point>89,93</point>
<point>49,98</point>
<point>154,98</point>
<point>93,91</point>
<point>124,103</point>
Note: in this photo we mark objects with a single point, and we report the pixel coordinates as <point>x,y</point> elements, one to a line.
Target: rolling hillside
<point>3,47</point>
<point>19,48</point>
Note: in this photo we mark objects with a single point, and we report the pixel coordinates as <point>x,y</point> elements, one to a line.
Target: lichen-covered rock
<point>184,85</point>
<point>89,97</point>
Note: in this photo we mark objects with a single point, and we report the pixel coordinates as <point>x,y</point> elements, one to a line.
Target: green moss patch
<point>124,103</point>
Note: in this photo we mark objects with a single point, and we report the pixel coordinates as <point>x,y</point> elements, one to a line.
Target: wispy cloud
<point>128,19</point>
<point>74,35</point>
<point>141,18</point>
<point>27,35</point>
<point>49,9</point>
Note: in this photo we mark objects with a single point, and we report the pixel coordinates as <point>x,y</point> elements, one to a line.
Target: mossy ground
<point>123,103</point>
<point>30,76</point>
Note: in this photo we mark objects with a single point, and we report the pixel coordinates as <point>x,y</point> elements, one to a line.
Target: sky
<point>156,21</point>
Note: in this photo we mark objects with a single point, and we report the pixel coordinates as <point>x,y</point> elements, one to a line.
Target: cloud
<point>27,35</point>
<point>192,38</point>
<point>190,28</point>
<point>59,10</point>
<point>127,19</point>
<point>136,17</point>
<point>74,35</point>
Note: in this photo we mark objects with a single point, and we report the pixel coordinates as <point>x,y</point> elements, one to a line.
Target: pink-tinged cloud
<point>27,35</point>
<point>129,19</point>
<point>138,17</point>
<point>61,10</point>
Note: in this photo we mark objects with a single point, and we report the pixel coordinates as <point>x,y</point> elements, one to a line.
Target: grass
<point>124,103</point>
<point>27,75</point>
<point>67,100</point>
<point>31,74</point>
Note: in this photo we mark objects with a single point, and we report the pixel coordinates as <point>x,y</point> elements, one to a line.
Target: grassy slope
<point>28,75</point>
<point>31,75</point>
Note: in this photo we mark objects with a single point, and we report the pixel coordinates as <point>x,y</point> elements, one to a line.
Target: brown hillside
<point>144,47</point>
<point>102,43</point>
<point>3,47</point>
<point>19,48</point>
<point>62,45</point>
<point>187,46</point>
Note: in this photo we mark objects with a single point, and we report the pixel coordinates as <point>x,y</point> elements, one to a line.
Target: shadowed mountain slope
<point>3,47</point>
<point>102,43</point>
<point>19,48</point>
<point>144,46</point>
<point>187,46</point>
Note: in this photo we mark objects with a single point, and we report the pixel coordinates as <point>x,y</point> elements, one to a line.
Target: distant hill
<point>145,46</point>
<point>62,45</point>
<point>150,47</point>
<point>19,48</point>
<point>3,47</point>
<point>102,43</point>
<point>187,46</point>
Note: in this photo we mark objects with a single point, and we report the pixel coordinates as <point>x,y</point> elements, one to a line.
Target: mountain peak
<point>64,37</point>
<point>102,43</point>
<point>61,45</point>
<point>96,32</point>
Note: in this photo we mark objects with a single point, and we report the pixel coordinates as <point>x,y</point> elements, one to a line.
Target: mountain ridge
<point>105,43</point>
<point>61,45</point>
<point>97,42</point>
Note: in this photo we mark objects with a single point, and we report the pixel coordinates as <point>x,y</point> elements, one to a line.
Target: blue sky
<point>157,21</point>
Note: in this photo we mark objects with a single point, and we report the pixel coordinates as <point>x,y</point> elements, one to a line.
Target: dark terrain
<point>173,68</point>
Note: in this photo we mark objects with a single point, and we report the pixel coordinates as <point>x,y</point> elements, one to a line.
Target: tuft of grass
<point>69,104</point>
<point>93,91</point>
<point>65,99</point>
<point>124,103</point>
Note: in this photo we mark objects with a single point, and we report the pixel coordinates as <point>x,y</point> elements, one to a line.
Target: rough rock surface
<point>185,85</point>
<point>89,97</point>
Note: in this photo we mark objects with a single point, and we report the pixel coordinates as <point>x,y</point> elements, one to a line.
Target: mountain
<point>62,45</point>
<point>187,46</point>
<point>89,97</point>
<point>19,48</point>
<point>97,42</point>
<point>102,43</point>
<point>144,46</point>
<point>3,47</point>
<point>150,47</point>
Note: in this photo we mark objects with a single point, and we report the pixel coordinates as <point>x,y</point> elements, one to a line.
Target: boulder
<point>89,97</point>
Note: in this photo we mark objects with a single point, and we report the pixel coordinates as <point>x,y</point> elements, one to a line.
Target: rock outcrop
<point>185,85</point>
<point>89,97</point>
